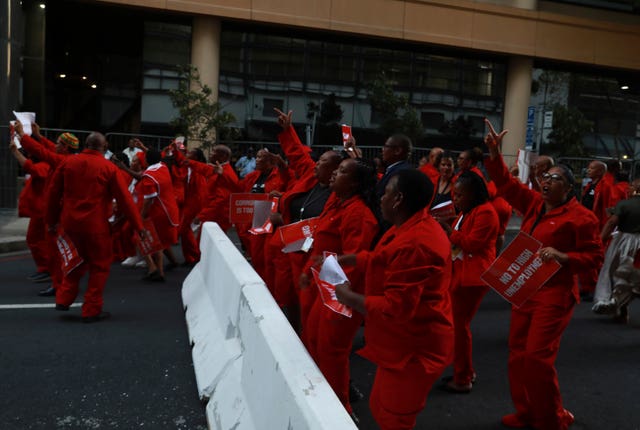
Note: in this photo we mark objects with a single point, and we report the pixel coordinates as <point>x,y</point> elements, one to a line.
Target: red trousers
<point>465,303</point>
<point>37,243</point>
<point>588,280</point>
<point>534,340</point>
<point>55,262</point>
<point>330,339</point>
<point>96,251</point>
<point>190,248</point>
<point>398,396</point>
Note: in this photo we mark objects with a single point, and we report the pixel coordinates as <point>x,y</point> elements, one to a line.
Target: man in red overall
<point>80,200</point>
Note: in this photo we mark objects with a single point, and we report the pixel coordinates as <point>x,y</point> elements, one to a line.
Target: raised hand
<point>493,140</point>
<point>284,119</point>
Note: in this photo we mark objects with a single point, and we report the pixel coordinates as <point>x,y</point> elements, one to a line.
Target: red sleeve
<point>37,170</point>
<point>510,188</point>
<point>357,233</point>
<point>125,202</point>
<point>34,148</point>
<point>200,168</point>
<point>297,154</point>
<point>47,144</point>
<point>588,250</point>
<point>404,280</point>
<point>54,197</point>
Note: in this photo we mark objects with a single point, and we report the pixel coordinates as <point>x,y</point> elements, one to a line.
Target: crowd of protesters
<point>413,243</point>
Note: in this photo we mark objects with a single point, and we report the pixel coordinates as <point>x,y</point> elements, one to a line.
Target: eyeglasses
<point>551,177</point>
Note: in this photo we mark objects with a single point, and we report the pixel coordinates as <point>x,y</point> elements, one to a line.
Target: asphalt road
<point>135,370</point>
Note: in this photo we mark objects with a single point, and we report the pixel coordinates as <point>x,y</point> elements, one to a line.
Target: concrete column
<point>516,103</point>
<point>205,50</point>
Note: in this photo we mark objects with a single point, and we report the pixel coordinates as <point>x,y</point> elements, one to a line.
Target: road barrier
<point>250,365</point>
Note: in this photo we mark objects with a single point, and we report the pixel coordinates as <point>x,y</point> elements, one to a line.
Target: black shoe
<point>354,393</point>
<point>42,277</point>
<point>95,318</point>
<point>60,307</point>
<point>47,292</point>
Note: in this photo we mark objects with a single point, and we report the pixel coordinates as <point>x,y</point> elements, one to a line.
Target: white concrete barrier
<point>249,363</point>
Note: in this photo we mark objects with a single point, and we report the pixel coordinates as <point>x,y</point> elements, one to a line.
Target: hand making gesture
<point>493,140</point>
<point>284,119</point>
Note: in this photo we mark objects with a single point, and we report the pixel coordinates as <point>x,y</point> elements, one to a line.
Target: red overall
<point>80,200</point>
<point>345,227</point>
<point>408,325</point>
<point>537,326</point>
<point>31,205</point>
<point>476,241</point>
<point>431,172</point>
<point>45,151</point>
<point>215,206</point>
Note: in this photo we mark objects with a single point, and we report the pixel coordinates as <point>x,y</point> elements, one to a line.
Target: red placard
<point>150,243</point>
<point>443,210</point>
<point>346,134</point>
<point>241,207</point>
<point>519,271</point>
<point>68,252</point>
<point>295,234</point>
<point>328,295</point>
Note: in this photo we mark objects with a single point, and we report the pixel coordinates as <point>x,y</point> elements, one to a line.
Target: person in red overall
<point>221,179</point>
<point>31,205</point>
<point>53,154</point>
<point>430,168</point>
<point>80,200</point>
<point>597,196</point>
<point>406,304</point>
<point>473,238</point>
<point>161,208</point>
<point>195,188</point>
<point>305,198</point>
<point>569,234</point>
<point>347,225</point>
<point>271,175</point>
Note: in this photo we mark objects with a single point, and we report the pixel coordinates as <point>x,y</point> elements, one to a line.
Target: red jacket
<point>43,151</point>
<point>32,196</point>
<point>570,228</point>
<point>345,227</point>
<point>81,194</point>
<point>407,296</point>
<point>476,238</point>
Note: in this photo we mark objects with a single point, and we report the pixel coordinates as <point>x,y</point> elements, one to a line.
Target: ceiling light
<point>42,6</point>
<point>624,87</point>
<point>94,86</point>
<point>62,75</point>
<point>84,78</point>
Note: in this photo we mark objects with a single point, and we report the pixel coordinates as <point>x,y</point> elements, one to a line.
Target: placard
<point>444,210</point>
<point>150,242</point>
<point>330,275</point>
<point>68,253</point>
<point>241,206</point>
<point>298,234</point>
<point>519,271</point>
<point>262,210</point>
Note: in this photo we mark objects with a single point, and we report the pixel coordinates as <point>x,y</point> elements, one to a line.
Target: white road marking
<point>36,306</point>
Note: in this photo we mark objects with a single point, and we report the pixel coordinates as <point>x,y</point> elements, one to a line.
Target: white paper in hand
<point>331,271</point>
<point>26,118</point>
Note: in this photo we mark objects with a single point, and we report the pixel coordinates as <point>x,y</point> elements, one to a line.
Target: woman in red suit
<point>473,240</point>
<point>569,234</point>
<point>406,304</point>
<point>347,225</point>
<point>161,208</point>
